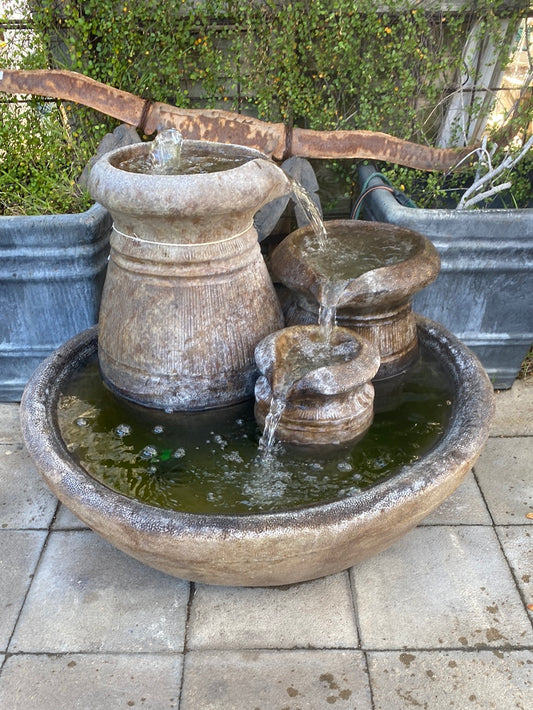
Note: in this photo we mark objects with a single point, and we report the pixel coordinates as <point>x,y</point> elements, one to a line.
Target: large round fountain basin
<point>263,549</point>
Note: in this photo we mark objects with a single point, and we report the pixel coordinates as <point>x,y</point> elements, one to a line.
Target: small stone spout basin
<point>369,272</point>
<point>323,382</point>
<point>264,548</point>
<point>186,288</point>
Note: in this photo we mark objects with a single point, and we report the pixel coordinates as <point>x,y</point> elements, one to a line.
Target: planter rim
<point>396,211</point>
<point>93,212</point>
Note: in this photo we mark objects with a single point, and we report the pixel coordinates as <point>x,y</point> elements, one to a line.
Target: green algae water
<point>207,462</point>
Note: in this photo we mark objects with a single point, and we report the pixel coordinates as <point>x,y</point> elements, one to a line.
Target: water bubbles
<point>345,466</point>
<point>81,421</point>
<point>149,452</point>
<point>234,457</point>
<point>152,470</point>
<point>178,453</point>
<point>123,430</point>
<point>158,429</point>
<point>220,441</point>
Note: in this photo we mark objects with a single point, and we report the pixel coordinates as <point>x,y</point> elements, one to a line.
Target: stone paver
<point>25,499</point>
<point>19,554</point>
<point>444,680</point>
<point>440,587</point>
<point>9,423</point>
<point>65,520</point>
<point>91,682</point>
<point>275,680</point>
<point>514,410</point>
<point>464,507</point>
<point>517,543</point>
<point>504,474</point>
<point>315,614</point>
<point>87,596</point>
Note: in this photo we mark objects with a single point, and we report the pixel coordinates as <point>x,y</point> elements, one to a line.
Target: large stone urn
<point>187,289</point>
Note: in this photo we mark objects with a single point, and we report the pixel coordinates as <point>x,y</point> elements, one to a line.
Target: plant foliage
<point>313,63</point>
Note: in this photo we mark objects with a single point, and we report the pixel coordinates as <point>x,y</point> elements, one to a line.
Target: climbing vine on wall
<point>319,64</point>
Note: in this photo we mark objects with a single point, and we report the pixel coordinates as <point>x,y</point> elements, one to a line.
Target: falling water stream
<point>310,210</point>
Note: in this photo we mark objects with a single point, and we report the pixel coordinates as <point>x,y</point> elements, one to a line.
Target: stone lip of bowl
<point>246,186</point>
<point>273,548</point>
<point>360,366</point>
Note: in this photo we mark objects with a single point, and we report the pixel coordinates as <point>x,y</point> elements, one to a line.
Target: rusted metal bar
<point>373,146</point>
<point>148,116</point>
<point>273,139</point>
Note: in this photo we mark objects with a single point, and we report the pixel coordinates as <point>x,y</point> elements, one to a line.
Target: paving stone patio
<point>442,619</point>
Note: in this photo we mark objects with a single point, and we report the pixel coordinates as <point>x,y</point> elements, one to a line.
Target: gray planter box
<point>52,270</point>
<point>484,291</point>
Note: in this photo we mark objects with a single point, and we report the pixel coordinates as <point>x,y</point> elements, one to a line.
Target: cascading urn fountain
<point>365,271</point>
<point>187,295</point>
<point>320,383</point>
<point>144,427</point>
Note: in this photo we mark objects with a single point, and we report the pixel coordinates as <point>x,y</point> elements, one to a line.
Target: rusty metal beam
<point>273,139</point>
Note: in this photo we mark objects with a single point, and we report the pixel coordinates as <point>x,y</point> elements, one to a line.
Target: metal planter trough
<point>483,291</point>
<point>52,270</point>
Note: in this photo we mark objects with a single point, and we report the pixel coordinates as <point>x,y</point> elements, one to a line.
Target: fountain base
<point>263,549</point>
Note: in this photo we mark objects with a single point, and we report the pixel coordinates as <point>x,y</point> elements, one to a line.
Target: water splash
<point>164,157</point>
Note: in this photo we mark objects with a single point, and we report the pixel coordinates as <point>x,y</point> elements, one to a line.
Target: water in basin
<point>207,462</point>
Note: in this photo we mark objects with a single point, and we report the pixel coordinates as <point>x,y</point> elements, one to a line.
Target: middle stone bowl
<point>322,380</point>
<point>369,272</point>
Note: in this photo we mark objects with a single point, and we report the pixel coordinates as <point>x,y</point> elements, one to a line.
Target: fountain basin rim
<point>194,197</point>
<point>468,431</point>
